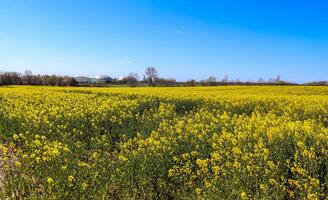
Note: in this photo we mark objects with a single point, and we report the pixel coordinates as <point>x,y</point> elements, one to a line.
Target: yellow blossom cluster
<point>229,142</point>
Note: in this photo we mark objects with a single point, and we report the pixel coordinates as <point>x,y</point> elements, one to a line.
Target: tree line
<point>28,78</point>
<point>149,78</point>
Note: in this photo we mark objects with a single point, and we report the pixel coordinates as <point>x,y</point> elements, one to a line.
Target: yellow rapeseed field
<point>231,142</point>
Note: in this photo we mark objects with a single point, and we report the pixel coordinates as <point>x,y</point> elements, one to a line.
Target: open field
<point>229,142</point>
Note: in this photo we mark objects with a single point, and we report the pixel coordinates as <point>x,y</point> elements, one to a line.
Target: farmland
<point>229,142</point>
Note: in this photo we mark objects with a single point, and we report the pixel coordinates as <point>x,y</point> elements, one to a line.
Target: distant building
<point>97,79</point>
<point>83,79</point>
<point>103,79</point>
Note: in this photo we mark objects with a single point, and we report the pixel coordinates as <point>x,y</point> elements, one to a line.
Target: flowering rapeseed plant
<point>164,143</point>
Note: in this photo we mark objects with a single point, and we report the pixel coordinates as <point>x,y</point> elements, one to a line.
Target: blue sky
<point>184,39</point>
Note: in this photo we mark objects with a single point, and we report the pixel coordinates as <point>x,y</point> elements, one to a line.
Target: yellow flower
<point>37,143</point>
<point>70,178</point>
<point>312,197</point>
<point>50,181</point>
<point>85,185</point>
<point>194,153</point>
<point>216,169</point>
<point>202,164</point>
<point>198,191</point>
<point>243,195</point>
<point>262,187</point>
<point>208,184</point>
<point>95,155</point>
<point>83,164</point>
<point>236,165</point>
<point>216,156</point>
<point>122,158</point>
<point>16,137</point>
<point>64,167</point>
<point>314,182</point>
<point>272,181</point>
<point>17,164</point>
<point>171,172</point>
<point>271,165</point>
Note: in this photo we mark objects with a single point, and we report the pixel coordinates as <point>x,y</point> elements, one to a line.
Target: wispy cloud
<point>178,32</point>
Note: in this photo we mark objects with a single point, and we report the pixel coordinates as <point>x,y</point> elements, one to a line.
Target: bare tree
<point>225,78</point>
<point>27,77</point>
<point>277,79</point>
<point>191,83</point>
<point>261,80</point>
<point>210,81</point>
<point>132,79</point>
<point>151,74</point>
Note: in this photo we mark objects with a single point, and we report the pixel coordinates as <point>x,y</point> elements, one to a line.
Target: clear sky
<point>184,39</point>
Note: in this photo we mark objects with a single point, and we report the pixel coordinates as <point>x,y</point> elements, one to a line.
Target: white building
<point>103,79</point>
